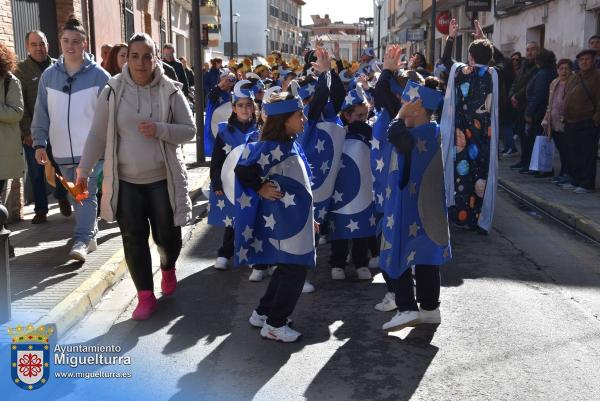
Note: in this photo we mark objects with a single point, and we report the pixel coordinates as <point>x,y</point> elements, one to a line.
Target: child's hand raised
<point>270,191</point>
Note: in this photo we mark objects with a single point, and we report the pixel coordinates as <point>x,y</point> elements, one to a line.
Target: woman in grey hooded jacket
<point>141,119</point>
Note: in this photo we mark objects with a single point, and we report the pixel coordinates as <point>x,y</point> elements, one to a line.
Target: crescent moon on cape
<point>302,242</point>
<point>338,136</point>
<point>431,202</point>
<point>359,152</point>
<point>227,174</point>
<point>219,115</point>
<point>237,89</point>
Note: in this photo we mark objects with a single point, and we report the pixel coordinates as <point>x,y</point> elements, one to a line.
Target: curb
<point>80,301</point>
<point>566,215</point>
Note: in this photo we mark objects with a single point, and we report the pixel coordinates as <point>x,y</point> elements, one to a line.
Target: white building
<point>562,26</point>
<point>262,26</point>
<point>380,25</point>
<point>181,18</point>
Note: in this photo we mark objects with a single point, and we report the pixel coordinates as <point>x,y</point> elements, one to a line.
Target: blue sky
<point>338,10</point>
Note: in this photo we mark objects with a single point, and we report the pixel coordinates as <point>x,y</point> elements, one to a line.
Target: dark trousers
<point>282,294</point>
<point>584,137</point>
<point>37,177</point>
<point>427,279</point>
<point>360,252</point>
<point>373,246</point>
<point>226,250</point>
<point>142,207</point>
<point>527,142</point>
<point>519,130</point>
<point>560,141</point>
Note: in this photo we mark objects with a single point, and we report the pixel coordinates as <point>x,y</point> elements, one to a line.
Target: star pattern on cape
<point>390,221</point>
<point>380,199</point>
<point>288,199</point>
<point>227,148</point>
<point>374,143</point>
<point>247,234</point>
<point>263,161</point>
<point>372,220</point>
<point>325,167</point>
<point>411,257</point>
<point>413,229</point>
<point>413,93</point>
<point>221,204</point>
<point>337,196</point>
<point>310,89</point>
<point>349,99</point>
<point>380,165</point>
<point>388,192</point>
<point>276,153</point>
<point>321,213</point>
<point>320,147</point>
<point>353,226</point>
<point>242,254</point>
<point>270,221</point>
<point>246,152</point>
<point>257,245</point>
<point>412,188</point>
<point>422,145</point>
<point>228,221</point>
<point>244,200</point>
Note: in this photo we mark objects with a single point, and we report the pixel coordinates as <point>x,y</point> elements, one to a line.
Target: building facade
<point>181,27</point>
<point>351,37</point>
<point>106,21</point>
<point>264,26</point>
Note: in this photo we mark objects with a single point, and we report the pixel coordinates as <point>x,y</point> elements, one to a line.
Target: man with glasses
<point>29,72</point>
<point>64,111</point>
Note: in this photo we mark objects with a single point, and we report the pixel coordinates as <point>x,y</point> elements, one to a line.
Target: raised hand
<point>391,59</point>
<point>453,30</point>
<point>323,62</point>
<point>478,31</point>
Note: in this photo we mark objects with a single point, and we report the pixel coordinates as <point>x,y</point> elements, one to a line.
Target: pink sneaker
<point>168,283</point>
<point>146,305</point>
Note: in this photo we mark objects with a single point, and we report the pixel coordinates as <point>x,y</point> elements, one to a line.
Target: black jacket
<point>180,72</point>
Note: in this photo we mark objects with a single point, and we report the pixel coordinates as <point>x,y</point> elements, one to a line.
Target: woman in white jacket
<point>141,119</point>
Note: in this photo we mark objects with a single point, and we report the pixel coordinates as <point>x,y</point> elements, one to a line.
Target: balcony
<point>209,12</point>
<point>409,14</point>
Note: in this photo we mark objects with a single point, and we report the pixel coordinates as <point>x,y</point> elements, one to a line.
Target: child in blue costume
<point>218,108</point>
<point>232,137</point>
<point>352,214</point>
<point>274,222</point>
<point>415,221</point>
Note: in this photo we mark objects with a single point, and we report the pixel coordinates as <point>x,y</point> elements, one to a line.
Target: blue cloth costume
<point>279,231</point>
<point>218,109</point>
<point>221,208</point>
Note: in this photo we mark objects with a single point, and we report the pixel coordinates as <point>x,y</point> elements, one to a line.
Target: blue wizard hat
<point>431,98</point>
<point>241,93</point>
<point>307,90</point>
<point>354,97</point>
<point>283,106</point>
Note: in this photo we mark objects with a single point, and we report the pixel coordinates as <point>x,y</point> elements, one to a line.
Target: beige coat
<point>547,118</point>
<point>11,112</point>
<point>170,98</point>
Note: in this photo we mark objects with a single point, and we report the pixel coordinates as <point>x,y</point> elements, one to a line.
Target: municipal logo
<point>30,356</point>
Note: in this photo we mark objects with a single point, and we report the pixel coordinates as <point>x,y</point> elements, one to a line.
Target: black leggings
<point>427,279</point>
<point>282,294</point>
<point>339,252</point>
<point>142,207</point>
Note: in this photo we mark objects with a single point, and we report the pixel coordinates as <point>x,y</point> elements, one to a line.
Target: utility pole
<point>231,29</point>
<point>198,80</point>
<point>432,43</point>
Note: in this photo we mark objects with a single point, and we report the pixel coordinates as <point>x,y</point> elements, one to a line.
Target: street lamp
<point>236,18</point>
<point>378,4</point>
<point>230,30</point>
<point>267,41</point>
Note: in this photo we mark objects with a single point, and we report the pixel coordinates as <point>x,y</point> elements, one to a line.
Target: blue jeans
<point>506,133</point>
<point>38,182</point>
<point>85,214</point>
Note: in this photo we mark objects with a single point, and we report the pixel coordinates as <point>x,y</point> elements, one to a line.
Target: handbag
<point>542,156</point>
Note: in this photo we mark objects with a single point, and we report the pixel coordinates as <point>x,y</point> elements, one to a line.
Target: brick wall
<point>6,28</point>
<point>64,8</point>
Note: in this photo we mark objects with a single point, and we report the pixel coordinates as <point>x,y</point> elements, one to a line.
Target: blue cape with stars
<point>216,112</point>
<point>415,220</point>
<point>221,208</point>
<point>322,142</point>
<point>352,213</point>
<point>280,231</point>
<point>381,151</point>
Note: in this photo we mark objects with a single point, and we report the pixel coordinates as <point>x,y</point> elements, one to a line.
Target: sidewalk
<point>579,211</point>
<point>46,287</point>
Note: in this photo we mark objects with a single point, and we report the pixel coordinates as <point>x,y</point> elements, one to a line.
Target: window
<point>128,19</point>
<point>163,32</point>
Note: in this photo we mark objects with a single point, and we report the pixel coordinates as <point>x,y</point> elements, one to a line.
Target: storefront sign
<point>478,5</point>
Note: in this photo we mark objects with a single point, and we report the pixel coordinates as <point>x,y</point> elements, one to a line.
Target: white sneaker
<point>257,275</point>
<point>78,251</point>
<point>580,190</point>
<point>284,333</point>
<point>401,320</point>
<point>374,263</point>
<point>257,320</point>
<point>430,316</point>
<point>568,186</point>
<point>364,273</point>
<point>322,240</point>
<point>388,303</point>
<point>221,263</point>
<point>92,245</point>
<point>337,273</point>
<point>307,287</point>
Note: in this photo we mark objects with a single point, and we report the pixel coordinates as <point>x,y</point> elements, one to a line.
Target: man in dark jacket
<point>29,72</point>
<point>518,100</point>
<point>168,53</point>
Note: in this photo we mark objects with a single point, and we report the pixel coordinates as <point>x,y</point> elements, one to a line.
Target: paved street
<point>520,310</point>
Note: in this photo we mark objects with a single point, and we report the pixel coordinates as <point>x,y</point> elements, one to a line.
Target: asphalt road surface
<point>520,321</point>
